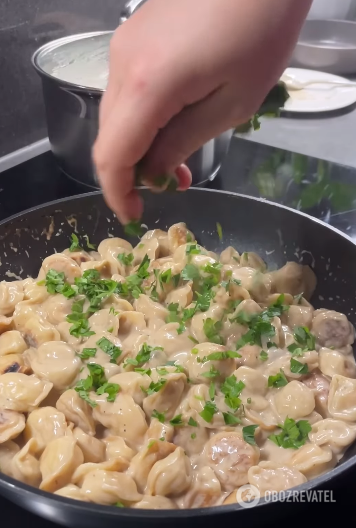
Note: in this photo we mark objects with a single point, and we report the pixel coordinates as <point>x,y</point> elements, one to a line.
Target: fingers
<point>194,126</point>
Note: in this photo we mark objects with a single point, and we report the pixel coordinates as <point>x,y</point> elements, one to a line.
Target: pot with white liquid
<point>74,73</point>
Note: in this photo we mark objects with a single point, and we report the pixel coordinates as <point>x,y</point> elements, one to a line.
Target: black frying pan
<point>276,233</point>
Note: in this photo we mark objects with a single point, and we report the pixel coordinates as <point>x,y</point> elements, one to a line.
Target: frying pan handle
<point>130,8</point>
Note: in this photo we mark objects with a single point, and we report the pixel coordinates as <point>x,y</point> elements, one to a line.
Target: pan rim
<point>16,216</point>
<point>12,485</point>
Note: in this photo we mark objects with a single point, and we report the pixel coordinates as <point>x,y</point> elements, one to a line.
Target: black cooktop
<point>322,189</point>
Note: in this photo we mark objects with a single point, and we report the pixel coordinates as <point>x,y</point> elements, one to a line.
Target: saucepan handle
<point>130,8</point>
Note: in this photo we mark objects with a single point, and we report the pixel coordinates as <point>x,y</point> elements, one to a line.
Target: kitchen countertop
<point>322,189</point>
<point>327,135</point>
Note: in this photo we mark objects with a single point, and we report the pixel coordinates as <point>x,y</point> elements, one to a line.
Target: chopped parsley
<point>305,341</point>
<point>154,387</point>
<point>194,249</point>
<point>218,356</point>
<point>87,353</point>
<point>208,412</point>
<point>212,373</point>
<point>263,355</point>
<point>95,289</point>
<point>113,311</point>
<point>126,260</point>
<point>162,371</point>
<point>89,245</point>
<point>177,421</point>
<point>119,505</point>
<point>212,391</point>
<point>151,444</point>
<point>111,389</point>
<point>211,330</point>
<point>96,381</point>
<point>219,230</point>
<point>193,340</point>
<point>230,419</point>
<point>259,324</point>
<point>297,367</point>
<point>79,320</point>
<point>193,436</point>
<point>192,422</point>
<point>278,380</point>
<point>160,416</point>
<point>190,273</point>
<point>248,433</point>
<point>231,388</point>
<point>298,298</point>
<point>133,228</point>
<point>55,283</point>
<point>75,243</point>
<point>293,435</point>
<point>110,349</point>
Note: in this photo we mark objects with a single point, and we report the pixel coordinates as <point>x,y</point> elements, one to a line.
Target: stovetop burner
<point>322,189</point>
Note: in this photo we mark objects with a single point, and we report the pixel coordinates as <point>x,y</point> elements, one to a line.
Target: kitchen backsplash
<point>24,26</point>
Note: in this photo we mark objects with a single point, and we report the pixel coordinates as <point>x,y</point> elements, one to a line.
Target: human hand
<point>181,73</point>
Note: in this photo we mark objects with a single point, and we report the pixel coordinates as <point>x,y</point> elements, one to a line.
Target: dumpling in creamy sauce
<point>166,376</point>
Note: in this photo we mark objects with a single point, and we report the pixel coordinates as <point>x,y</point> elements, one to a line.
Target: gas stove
<point>324,190</point>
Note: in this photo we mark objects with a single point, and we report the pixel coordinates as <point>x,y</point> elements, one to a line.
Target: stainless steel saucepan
<point>74,74</point>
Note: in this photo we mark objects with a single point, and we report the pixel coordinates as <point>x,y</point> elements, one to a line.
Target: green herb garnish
<point>133,229</point>
<point>177,421</point>
<point>293,435</point>
<point>75,243</point>
<point>278,380</point>
<point>232,389</point>
<point>208,412</point>
<point>87,353</point>
<point>248,433</point>
<point>126,260</point>
<point>160,416</point>
<point>297,367</point>
<point>110,349</point>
